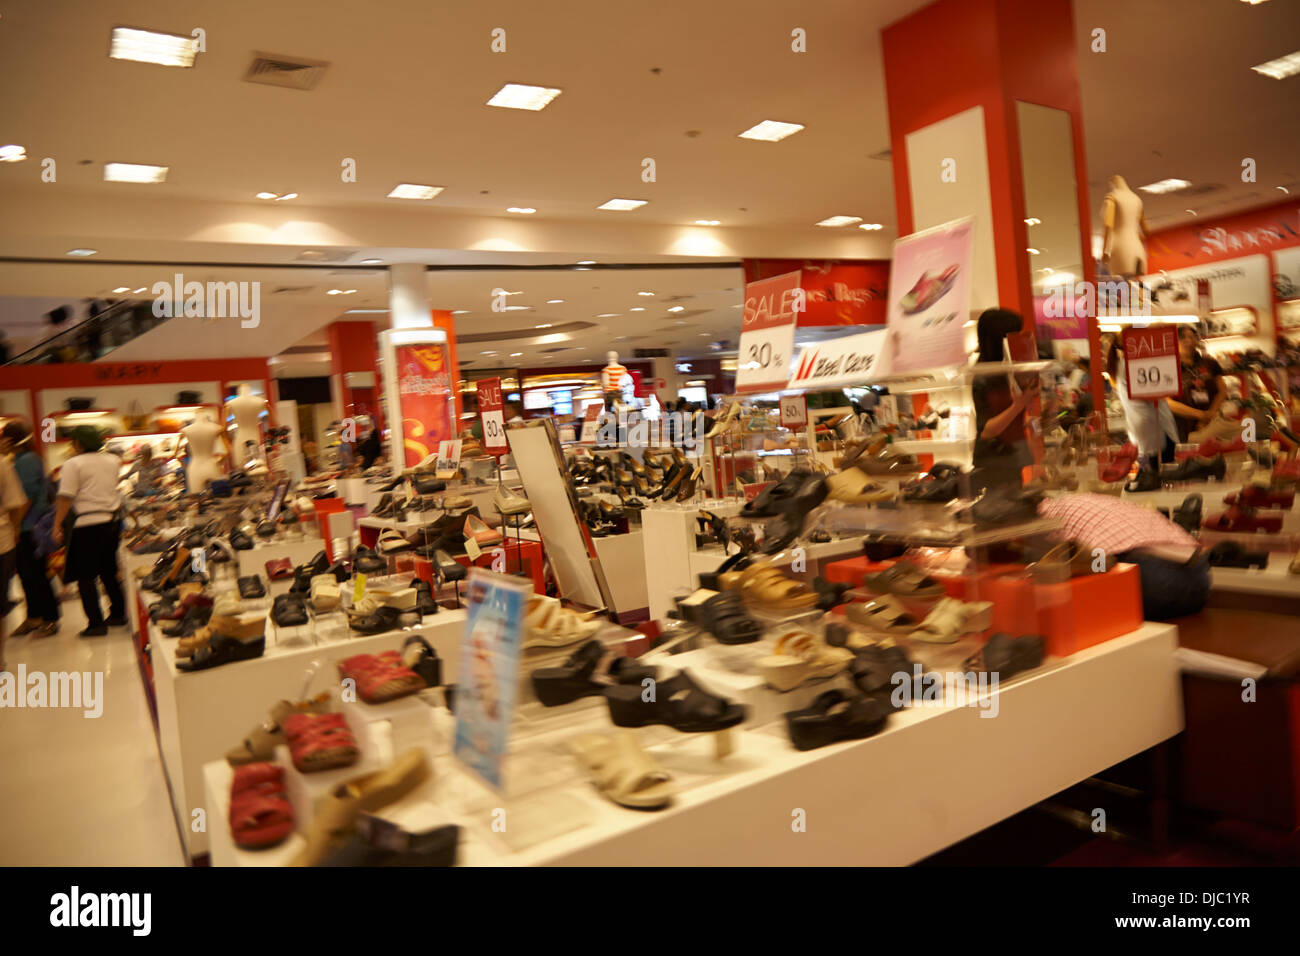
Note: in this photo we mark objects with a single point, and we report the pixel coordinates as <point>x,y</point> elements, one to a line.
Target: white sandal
<point>391,542</point>
<point>801,657</point>
<point>950,619</point>
<point>623,771</point>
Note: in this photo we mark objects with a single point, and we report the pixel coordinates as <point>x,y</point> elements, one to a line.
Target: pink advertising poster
<point>929,296</point>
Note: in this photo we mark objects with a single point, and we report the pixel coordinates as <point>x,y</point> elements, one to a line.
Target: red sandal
<point>260,813</point>
<point>320,742</point>
<point>1121,463</point>
<point>1254,496</point>
<point>1242,518</point>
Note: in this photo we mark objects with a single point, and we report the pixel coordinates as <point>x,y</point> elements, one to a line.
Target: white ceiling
<point>405,93</point>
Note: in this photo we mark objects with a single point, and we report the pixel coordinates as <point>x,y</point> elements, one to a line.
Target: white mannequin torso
<point>1124,239</point>
<point>204,439</point>
<point>247,409</point>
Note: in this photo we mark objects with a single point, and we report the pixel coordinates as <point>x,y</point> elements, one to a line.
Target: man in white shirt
<point>13,505</point>
<point>88,487</point>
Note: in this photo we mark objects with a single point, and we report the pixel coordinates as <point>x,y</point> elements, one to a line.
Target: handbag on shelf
<point>135,419</point>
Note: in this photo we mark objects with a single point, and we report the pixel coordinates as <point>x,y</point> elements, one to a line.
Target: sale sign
<point>767,332</point>
<point>491,406</point>
<point>1151,362</point>
<point>427,407</point>
<point>929,296</point>
<point>794,411</point>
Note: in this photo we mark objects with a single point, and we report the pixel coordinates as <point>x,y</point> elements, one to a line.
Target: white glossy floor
<point>78,791</point>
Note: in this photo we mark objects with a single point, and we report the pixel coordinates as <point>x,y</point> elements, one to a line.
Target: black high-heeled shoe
<point>448,568</point>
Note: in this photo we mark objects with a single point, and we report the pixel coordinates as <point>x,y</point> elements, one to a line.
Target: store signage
<point>752,491</point>
<point>591,423</point>
<point>1151,362</point>
<point>491,407</point>
<point>794,411</point>
<point>489,672</point>
<point>767,332</point>
<point>852,360</point>
<point>1243,286</point>
<point>424,392</point>
<point>837,291</point>
<point>929,295</point>
<point>448,459</point>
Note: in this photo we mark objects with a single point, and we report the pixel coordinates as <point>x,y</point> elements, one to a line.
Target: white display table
<point>936,776</point>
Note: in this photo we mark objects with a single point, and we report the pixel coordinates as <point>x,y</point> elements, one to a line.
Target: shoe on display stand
<point>679,702</point>
<point>260,813</point>
<point>801,657</point>
<point>622,771</point>
<point>1195,469</point>
<point>836,715</point>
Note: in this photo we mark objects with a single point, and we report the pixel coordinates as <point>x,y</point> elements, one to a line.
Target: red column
<point>954,55</point>
<point>352,349</point>
<point>442,319</point>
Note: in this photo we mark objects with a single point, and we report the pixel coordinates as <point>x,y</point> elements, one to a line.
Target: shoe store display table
<point>935,776</point>
<point>1274,580</point>
<point>203,714</point>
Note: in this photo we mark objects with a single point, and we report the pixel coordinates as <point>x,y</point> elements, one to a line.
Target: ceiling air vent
<point>291,290</point>
<point>293,73</point>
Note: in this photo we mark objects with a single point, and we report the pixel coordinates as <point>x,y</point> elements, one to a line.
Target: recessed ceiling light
<point>587,262</point>
<point>371,262</point>
<point>146,46</point>
<point>554,301</point>
<point>708,222</point>
<point>12,153</point>
<point>1032,251</point>
<point>870,226</point>
<point>460,311</point>
<point>621,205</point>
<point>517,308</point>
<point>637,308</point>
<point>1033,221</point>
<point>340,291</point>
<point>1165,186</point>
<point>487,352</point>
<point>840,221</point>
<point>414,191</point>
<point>678,308</point>
<point>121,289</point>
<point>134,173</point>
<point>1280,68</point>
<point>1192,211</point>
<point>516,354</point>
<point>771,131</point>
<point>522,210</point>
<point>286,196</point>
<point>139,290</point>
<point>609,315</point>
<point>1285,190</point>
<point>520,96</point>
<point>544,325</point>
<point>82,252</point>
<point>645,293</point>
<point>266,195</point>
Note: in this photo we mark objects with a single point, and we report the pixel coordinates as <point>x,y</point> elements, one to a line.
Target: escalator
<point>94,337</point>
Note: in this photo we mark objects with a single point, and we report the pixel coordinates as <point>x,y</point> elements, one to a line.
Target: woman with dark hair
<point>1001,447</point>
<point>1203,387</point>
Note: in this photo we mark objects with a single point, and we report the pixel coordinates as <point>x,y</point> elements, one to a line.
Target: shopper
<point>42,616</point>
<point>369,448</point>
<point>1175,570</point>
<point>88,502</point>
<point>1001,448</point>
<point>13,507</point>
<point>1204,389</point>
<point>1150,425</point>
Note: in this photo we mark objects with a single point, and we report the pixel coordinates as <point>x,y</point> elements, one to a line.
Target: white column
<point>408,296</point>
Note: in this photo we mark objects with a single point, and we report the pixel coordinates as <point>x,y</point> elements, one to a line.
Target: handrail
<point>114,326</point>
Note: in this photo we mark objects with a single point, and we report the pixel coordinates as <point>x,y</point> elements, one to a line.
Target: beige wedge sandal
<point>622,771</point>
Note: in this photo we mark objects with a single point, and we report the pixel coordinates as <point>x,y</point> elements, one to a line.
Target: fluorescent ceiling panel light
<point>645,293</point>
<point>554,301</point>
<point>708,222</point>
<point>522,210</point>
<point>82,252</point>
<point>134,173</point>
<point>1165,186</point>
<point>520,96</point>
<point>414,191</point>
<point>771,131</point>
<point>587,262</point>
<point>1280,68</point>
<point>840,221</point>
<point>12,153</point>
<point>621,205</point>
<point>518,308</point>
<point>637,308</point>
<point>871,226</point>
<point>146,46</point>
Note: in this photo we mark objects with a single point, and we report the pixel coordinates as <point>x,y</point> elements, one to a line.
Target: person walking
<point>13,507</point>
<point>42,607</point>
<point>88,500</point>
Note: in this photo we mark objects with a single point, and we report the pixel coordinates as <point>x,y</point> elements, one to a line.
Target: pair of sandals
<point>723,615</point>
<point>548,623</point>
<point>262,740</point>
<point>261,815</point>
<point>576,677</point>
<point>1006,656</point>
<point>765,586</point>
<point>380,678</point>
<point>320,742</point>
<point>904,579</point>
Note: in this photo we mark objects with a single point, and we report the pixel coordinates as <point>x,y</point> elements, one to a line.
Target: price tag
<point>358,588</point>
<point>472,549</point>
<point>494,432</point>
<point>1151,362</point>
<point>767,333</point>
<point>794,411</point>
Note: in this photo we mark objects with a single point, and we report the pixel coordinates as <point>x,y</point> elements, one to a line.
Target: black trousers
<point>93,555</point>
<point>41,603</point>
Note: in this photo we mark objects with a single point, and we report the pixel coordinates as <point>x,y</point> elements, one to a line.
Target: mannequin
<point>611,379</point>
<point>205,439</point>
<point>247,409</point>
<point>1123,249</point>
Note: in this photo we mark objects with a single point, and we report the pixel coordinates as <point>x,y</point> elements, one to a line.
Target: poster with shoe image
<point>929,297</point>
<point>489,672</point>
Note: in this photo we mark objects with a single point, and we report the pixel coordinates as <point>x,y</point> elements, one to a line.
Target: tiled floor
<point>78,791</point>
